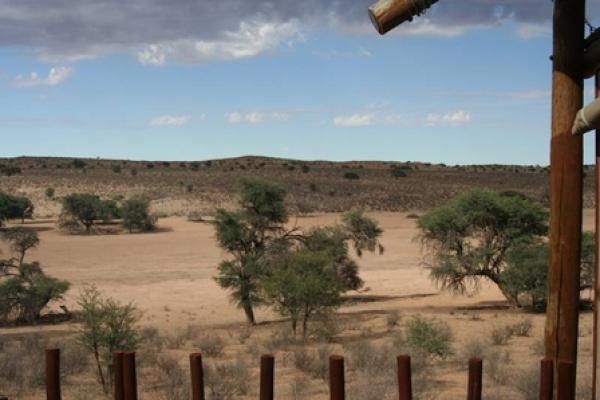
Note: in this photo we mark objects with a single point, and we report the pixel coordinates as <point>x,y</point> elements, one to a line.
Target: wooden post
<point>119,392</point>
<point>197,374</point>
<point>475,379</point>
<point>336,378</point>
<point>267,377</point>
<point>566,166</point>
<point>129,376</point>
<point>546,379</point>
<point>404,378</point>
<point>53,374</point>
<point>596,285</point>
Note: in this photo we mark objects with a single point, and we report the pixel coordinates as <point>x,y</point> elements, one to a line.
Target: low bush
<point>500,335</point>
<point>211,345</point>
<point>227,380</point>
<point>432,337</point>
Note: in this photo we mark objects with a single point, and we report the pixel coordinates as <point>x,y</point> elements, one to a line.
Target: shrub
<point>49,193</point>
<point>136,215</point>
<point>501,335</point>
<point>228,380</point>
<point>522,328</point>
<point>79,164</point>
<point>351,176</point>
<point>498,367</point>
<point>211,345</point>
<point>106,326</point>
<point>398,172</point>
<point>432,337</point>
<point>311,362</point>
<point>474,348</point>
<point>174,382</point>
<point>14,207</point>
<point>116,169</point>
<point>10,170</point>
<point>392,319</point>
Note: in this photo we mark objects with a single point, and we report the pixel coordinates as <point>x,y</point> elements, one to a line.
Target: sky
<point>466,83</point>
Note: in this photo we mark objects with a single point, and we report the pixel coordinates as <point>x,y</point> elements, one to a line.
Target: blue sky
<point>459,85</point>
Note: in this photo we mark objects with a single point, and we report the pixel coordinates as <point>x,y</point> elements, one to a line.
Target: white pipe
<point>587,119</point>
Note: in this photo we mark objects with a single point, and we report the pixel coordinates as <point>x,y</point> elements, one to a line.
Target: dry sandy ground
<point>168,275</point>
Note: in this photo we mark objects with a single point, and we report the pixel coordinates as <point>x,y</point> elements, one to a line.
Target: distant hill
<point>179,188</point>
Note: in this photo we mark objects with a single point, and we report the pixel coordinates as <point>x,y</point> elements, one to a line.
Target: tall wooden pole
<point>566,165</point>
<point>596,348</point>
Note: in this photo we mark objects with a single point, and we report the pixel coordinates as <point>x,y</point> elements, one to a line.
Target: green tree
<point>87,209</point>
<point>255,236</point>
<point>303,284</point>
<point>12,207</point>
<point>471,236</point>
<point>107,326</point>
<point>136,215</point>
<point>245,234</point>
<point>398,172</point>
<point>526,279</point>
<point>25,290</point>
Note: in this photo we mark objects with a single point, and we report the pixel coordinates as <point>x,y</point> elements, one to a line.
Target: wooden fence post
<point>119,393</point>
<point>546,379</point>
<point>475,377</point>
<point>336,378</point>
<point>129,376</point>
<point>197,374</point>
<point>267,376</point>
<point>565,380</point>
<point>404,378</point>
<point>53,374</point>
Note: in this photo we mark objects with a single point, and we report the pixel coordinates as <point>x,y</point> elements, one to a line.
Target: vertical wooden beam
<point>475,387</point>
<point>596,286</point>
<point>546,379</point>
<point>336,378</point>
<point>267,377</point>
<point>53,374</point>
<point>566,181</point>
<point>197,375</point>
<point>119,391</point>
<point>404,378</point>
<point>129,376</point>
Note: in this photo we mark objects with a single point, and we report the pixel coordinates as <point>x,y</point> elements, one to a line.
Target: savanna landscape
<point>161,255</point>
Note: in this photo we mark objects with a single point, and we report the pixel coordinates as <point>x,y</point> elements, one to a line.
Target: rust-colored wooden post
<point>546,379</point>
<point>404,378</point>
<point>197,374</point>
<point>3,397</point>
<point>129,376</point>
<point>53,374</point>
<point>566,173</point>
<point>596,285</point>
<point>119,393</point>
<point>267,378</point>
<point>565,380</point>
<point>336,378</point>
<point>475,378</point>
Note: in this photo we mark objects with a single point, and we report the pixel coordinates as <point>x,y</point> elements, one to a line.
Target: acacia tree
<point>12,207</point>
<point>302,284</point>
<point>471,236</point>
<point>25,290</point>
<point>256,238</point>
<point>87,208</point>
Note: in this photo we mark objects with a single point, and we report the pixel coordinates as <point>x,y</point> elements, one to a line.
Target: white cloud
<point>530,31</point>
<point>356,120</point>
<point>170,120</point>
<point>255,117</point>
<point>250,40</point>
<point>55,76</point>
<point>453,119</point>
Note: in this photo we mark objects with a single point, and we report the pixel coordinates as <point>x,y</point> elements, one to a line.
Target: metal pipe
<point>336,378</point>
<point>546,379</point>
<point>475,379</point>
<point>129,376</point>
<point>197,375</point>
<point>267,377</point>
<point>587,119</point>
<point>119,392</point>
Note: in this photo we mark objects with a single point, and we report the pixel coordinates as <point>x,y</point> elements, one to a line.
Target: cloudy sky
<point>468,82</point>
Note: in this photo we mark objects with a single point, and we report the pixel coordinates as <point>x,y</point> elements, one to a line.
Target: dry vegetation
<point>184,188</point>
<point>168,275</point>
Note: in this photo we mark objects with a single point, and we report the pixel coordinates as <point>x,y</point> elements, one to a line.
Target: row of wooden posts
<point>125,381</point>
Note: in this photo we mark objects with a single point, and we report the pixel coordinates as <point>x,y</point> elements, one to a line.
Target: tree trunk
<point>100,373</point>
<point>247,304</point>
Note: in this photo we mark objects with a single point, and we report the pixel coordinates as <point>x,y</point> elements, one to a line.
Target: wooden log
<point>387,14</point>
<point>566,183</point>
